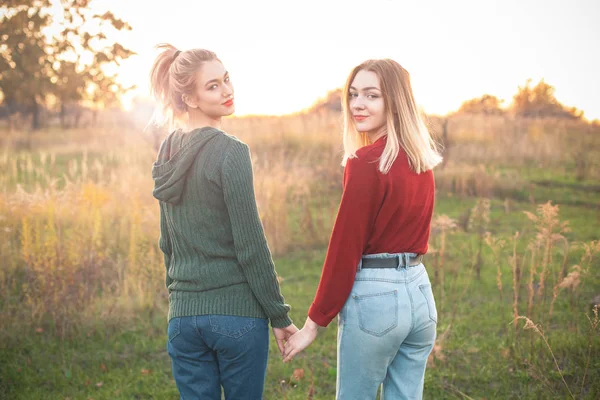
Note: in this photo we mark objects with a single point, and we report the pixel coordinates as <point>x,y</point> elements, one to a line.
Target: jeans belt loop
<point>400,260</point>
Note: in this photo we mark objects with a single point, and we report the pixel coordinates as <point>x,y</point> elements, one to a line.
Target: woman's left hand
<point>300,340</point>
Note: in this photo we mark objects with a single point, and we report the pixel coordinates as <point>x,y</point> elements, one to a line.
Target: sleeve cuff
<point>282,322</point>
<point>317,316</point>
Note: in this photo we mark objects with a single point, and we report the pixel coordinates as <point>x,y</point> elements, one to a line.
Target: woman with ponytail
<point>373,275</point>
<point>222,284</point>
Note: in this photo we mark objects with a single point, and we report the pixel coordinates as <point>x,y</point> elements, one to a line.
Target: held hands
<point>283,334</point>
<point>300,340</point>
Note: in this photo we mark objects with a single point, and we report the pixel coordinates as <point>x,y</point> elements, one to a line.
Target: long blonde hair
<point>405,127</point>
<point>173,74</point>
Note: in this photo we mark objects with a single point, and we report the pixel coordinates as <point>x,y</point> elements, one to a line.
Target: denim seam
<point>357,299</point>
<point>412,308</point>
<point>423,329</point>
<point>341,339</point>
<point>417,276</point>
<point>380,280</point>
<point>234,335</point>
<point>405,280</point>
<point>421,287</point>
<point>362,296</point>
<point>198,331</point>
<point>177,323</point>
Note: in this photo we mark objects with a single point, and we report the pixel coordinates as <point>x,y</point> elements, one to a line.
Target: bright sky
<point>283,55</point>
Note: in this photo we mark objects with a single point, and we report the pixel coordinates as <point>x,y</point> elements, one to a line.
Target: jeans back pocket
<point>174,328</point>
<point>428,294</point>
<point>378,312</point>
<point>231,326</point>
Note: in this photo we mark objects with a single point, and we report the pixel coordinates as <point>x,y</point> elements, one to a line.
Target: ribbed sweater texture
<point>215,251</point>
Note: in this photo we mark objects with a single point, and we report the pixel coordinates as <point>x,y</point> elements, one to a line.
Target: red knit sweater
<point>378,213</point>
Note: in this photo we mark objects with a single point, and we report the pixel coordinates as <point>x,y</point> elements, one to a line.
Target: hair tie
<point>176,54</point>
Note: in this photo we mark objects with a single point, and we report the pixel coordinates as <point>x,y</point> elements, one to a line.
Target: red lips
<point>228,103</point>
<point>360,117</point>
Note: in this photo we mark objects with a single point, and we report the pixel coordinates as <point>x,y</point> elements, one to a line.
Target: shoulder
<point>224,145</point>
<point>164,150</point>
<point>166,142</point>
<point>236,156</point>
<point>368,152</point>
<point>235,149</point>
<point>361,169</point>
<point>371,152</point>
<point>366,160</point>
<point>232,143</point>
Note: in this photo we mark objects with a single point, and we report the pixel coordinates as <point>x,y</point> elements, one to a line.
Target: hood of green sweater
<point>176,155</point>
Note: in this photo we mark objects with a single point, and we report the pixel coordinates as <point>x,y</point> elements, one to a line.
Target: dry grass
<point>536,328</point>
<point>441,227</point>
<point>79,228</point>
<point>79,225</point>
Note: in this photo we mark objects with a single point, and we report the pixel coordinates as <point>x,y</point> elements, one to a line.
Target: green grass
<point>556,184</point>
<point>483,356</point>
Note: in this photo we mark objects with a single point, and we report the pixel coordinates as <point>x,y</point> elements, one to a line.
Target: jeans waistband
<point>390,260</point>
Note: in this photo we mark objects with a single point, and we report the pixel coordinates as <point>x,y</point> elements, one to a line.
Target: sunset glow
<point>282,56</point>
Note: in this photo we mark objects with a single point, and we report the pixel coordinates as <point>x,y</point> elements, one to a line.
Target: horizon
<point>505,104</point>
<point>283,59</point>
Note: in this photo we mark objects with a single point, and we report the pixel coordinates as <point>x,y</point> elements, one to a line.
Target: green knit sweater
<point>214,246</point>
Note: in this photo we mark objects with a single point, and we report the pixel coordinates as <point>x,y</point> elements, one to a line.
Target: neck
<point>374,135</point>
<point>197,119</point>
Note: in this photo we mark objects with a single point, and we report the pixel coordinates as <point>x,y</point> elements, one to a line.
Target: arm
<point>248,236</point>
<point>164,242</point>
<point>360,203</point>
<point>358,208</point>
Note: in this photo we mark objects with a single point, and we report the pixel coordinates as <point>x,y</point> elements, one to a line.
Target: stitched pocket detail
<point>428,294</point>
<point>231,326</point>
<point>378,312</point>
<point>174,328</point>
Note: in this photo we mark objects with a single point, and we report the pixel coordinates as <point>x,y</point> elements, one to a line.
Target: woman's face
<point>366,103</point>
<point>214,91</point>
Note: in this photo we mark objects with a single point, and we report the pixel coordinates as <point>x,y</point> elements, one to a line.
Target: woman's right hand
<point>283,334</point>
<point>300,340</point>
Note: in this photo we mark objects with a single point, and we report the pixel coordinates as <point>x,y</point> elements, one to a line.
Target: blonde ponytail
<point>173,74</point>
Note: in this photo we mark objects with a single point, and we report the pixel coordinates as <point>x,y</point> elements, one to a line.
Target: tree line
<point>54,56</point>
<point>530,101</point>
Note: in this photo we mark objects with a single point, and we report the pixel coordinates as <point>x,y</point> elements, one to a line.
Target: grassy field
<point>83,302</point>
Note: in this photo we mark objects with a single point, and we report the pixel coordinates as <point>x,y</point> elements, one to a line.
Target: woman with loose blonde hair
<point>222,285</point>
<point>404,125</point>
<point>373,275</point>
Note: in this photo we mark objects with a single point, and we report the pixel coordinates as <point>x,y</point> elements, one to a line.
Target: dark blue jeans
<point>210,351</point>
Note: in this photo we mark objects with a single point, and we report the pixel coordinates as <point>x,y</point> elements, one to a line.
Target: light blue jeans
<point>386,331</point>
<point>210,351</point>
